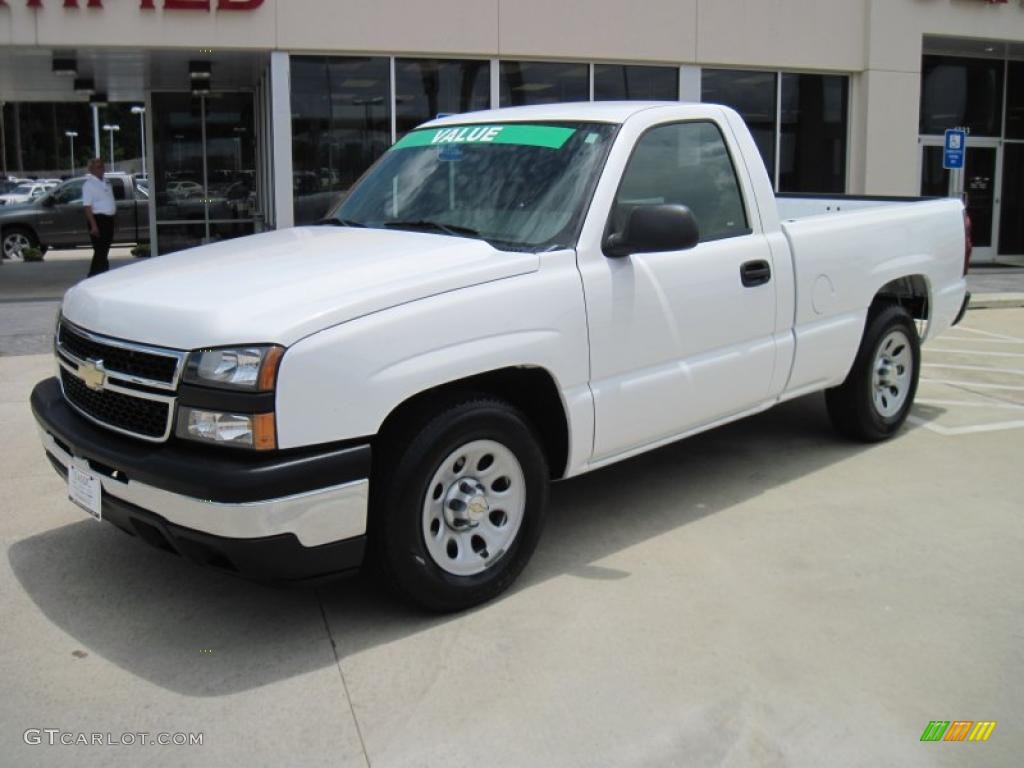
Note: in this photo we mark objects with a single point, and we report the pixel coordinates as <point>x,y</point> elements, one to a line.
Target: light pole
<point>71,137</point>
<point>141,112</point>
<point>110,131</point>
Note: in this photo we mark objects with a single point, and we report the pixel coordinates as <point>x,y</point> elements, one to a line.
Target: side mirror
<point>653,229</point>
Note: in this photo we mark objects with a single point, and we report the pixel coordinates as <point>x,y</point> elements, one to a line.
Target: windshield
<point>22,189</point>
<point>519,186</point>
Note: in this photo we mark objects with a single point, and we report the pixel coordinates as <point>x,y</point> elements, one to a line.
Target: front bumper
<point>285,516</point>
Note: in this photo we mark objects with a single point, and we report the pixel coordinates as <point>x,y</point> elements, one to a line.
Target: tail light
<point>968,245</point>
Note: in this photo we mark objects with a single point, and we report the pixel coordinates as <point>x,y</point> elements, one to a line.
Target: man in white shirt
<point>100,208</point>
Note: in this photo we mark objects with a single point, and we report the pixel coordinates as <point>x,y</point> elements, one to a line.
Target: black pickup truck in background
<point>57,220</point>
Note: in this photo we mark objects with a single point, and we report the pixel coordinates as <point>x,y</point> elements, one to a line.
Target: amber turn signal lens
<point>264,432</point>
<point>268,371</point>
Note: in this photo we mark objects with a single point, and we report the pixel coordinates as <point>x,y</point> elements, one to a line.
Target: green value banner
<point>550,136</point>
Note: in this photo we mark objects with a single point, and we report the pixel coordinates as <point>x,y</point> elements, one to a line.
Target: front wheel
<point>876,397</point>
<point>458,515</point>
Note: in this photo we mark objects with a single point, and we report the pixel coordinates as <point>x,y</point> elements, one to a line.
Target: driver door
<point>680,339</point>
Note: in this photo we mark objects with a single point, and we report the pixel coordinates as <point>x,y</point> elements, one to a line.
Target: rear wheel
<point>876,397</point>
<point>458,515</point>
<point>16,240</point>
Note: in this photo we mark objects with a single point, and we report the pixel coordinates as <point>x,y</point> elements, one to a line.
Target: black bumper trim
<point>963,308</point>
<point>224,475</point>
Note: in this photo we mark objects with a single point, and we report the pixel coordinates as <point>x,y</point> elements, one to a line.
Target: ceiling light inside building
<point>199,70</point>
<point>200,87</point>
<point>65,67</point>
<point>100,99</point>
<point>85,85</point>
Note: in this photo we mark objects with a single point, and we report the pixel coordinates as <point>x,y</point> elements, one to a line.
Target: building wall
<point>877,42</point>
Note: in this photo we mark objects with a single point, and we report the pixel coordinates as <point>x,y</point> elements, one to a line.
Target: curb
<point>996,300</point>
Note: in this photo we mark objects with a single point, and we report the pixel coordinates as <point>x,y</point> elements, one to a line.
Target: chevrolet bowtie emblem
<point>92,374</point>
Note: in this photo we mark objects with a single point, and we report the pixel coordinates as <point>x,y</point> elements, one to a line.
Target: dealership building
<point>258,114</point>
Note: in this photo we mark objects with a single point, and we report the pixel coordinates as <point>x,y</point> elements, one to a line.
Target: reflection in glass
<point>177,175</point>
<point>536,82</point>
<point>425,88</point>
<point>934,178</point>
<point>341,123</point>
<point>178,237</point>
<point>613,82</point>
<point>752,94</point>
<point>230,157</point>
<point>813,133</point>
<point>959,92</point>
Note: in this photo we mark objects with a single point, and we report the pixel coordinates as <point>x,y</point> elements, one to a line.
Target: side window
<point>69,193</point>
<point>686,163</point>
<point>117,187</point>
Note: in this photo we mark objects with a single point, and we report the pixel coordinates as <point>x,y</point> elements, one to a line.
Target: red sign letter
<point>186,5</point>
<point>238,5</point>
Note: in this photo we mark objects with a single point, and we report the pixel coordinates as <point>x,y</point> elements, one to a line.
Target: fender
<point>360,371</point>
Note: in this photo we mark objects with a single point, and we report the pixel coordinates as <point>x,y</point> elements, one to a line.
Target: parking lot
<point>761,595</point>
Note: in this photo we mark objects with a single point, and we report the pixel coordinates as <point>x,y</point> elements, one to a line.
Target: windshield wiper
<point>340,222</point>
<point>433,226</point>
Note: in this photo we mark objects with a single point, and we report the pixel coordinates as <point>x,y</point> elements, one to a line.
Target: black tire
<point>404,470</point>
<point>852,406</point>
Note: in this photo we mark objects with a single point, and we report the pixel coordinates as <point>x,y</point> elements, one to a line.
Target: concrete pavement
<point>765,594</point>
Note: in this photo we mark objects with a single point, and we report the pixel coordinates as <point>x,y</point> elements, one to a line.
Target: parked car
<point>56,219</point>
<point>506,298</point>
<point>26,192</point>
<point>184,189</point>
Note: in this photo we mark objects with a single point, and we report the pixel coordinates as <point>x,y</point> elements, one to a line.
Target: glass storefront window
<point>425,88</point>
<point>535,82</point>
<point>341,123</point>
<point>812,142</point>
<point>1015,100</point>
<point>752,94</point>
<point>959,92</point>
<point>614,82</point>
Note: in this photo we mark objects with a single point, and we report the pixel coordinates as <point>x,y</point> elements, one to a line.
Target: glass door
<point>1011,219</point>
<point>981,187</point>
<point>204,168</point>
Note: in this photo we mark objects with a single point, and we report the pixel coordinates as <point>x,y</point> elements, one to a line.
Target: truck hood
<point>281,286</point>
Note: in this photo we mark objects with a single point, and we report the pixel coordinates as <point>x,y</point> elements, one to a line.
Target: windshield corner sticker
<point>549,136</point>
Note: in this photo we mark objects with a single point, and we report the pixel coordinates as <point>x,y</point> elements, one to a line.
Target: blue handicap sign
<point>953,151</point>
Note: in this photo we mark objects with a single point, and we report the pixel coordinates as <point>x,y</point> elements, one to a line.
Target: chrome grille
<point>122,357</point>
<point>120,385</point>
<point>135,415</point>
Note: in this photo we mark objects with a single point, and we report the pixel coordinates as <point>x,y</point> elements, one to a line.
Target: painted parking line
<point>985,368</point>
<point>980,391</point>
<point>983,353</point>
<point>995,404</point>
<point>977,384</point>
<point>990,334</point>
<point>972,429</point>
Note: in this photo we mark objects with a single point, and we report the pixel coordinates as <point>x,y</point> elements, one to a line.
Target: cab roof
<point>583,111</point>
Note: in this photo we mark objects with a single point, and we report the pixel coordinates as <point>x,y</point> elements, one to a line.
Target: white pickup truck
<point>505,299</point>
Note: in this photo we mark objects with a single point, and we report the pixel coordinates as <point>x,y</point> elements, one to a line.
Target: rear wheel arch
<point>912,292</point>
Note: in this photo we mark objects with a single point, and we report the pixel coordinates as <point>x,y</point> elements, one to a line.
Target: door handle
<point>754,273</point>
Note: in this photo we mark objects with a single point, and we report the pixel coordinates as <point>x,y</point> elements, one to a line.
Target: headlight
<point>245,430</point>
<point>246,368</point>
